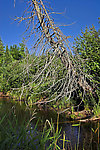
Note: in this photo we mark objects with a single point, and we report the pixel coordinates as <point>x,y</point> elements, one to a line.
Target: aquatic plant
<point>26,136</point>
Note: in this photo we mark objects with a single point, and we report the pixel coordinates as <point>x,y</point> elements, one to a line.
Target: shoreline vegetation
<point>21,78</point>
<point>80,116</point>
<point>53,76</point>
<point>17,135</point>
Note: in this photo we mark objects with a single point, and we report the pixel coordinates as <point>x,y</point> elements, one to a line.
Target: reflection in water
<point>79,136</point>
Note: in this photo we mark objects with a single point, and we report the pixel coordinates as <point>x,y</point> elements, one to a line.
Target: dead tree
<point>50,42</point>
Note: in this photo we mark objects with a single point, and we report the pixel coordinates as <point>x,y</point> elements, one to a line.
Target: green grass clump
<point>26,136</point>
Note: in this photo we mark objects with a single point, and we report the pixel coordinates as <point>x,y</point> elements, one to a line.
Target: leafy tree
<point>2,65</point>
<point>87,46</point>
<point>1,52</point>
<point>8,56</point>
<point>17,52</point>
<point>22,50</point>
<point>14,50</point>
<point>11,66</point>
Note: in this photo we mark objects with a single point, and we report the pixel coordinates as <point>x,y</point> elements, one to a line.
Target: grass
<point>15,136</point>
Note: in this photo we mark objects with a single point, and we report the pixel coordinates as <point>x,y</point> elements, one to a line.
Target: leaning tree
<point>58,73</point>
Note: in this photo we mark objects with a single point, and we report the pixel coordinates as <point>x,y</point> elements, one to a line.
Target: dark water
<point>77,135</point>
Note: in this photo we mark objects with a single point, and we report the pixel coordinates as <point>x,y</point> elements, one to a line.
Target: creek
<point>84,135</point>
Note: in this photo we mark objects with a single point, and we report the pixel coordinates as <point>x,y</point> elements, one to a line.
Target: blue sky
<point>80,12</point>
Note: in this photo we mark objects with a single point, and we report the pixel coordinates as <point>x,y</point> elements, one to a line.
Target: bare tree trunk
<point>49,41</point>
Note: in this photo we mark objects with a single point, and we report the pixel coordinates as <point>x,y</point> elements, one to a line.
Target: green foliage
<point>96,110</point>
<point>19,68</point>
<point>87,46</point>
<point>24,136</point>
<point>22,50</point>
<point>17,52</point>
<point>1,52</point>
<point>8,56</point>
<point>10,67</point>
<point>2,65</point>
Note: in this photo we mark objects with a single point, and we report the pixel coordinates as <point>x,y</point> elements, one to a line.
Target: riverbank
<point>84,116</point>
<point>3,95</point>
<point>81,116</point>
<point>69,129</point>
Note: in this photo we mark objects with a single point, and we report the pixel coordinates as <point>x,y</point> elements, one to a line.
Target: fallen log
<point>90,119</point>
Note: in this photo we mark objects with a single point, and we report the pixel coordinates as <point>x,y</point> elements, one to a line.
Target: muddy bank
<point>82,116</point>
<point>3,95</point>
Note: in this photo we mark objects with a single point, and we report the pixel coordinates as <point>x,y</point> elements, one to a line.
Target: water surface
<point>77,135</point>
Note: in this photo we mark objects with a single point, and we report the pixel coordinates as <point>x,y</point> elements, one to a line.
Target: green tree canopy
<point>87,46</point>
<point>1,52</point>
